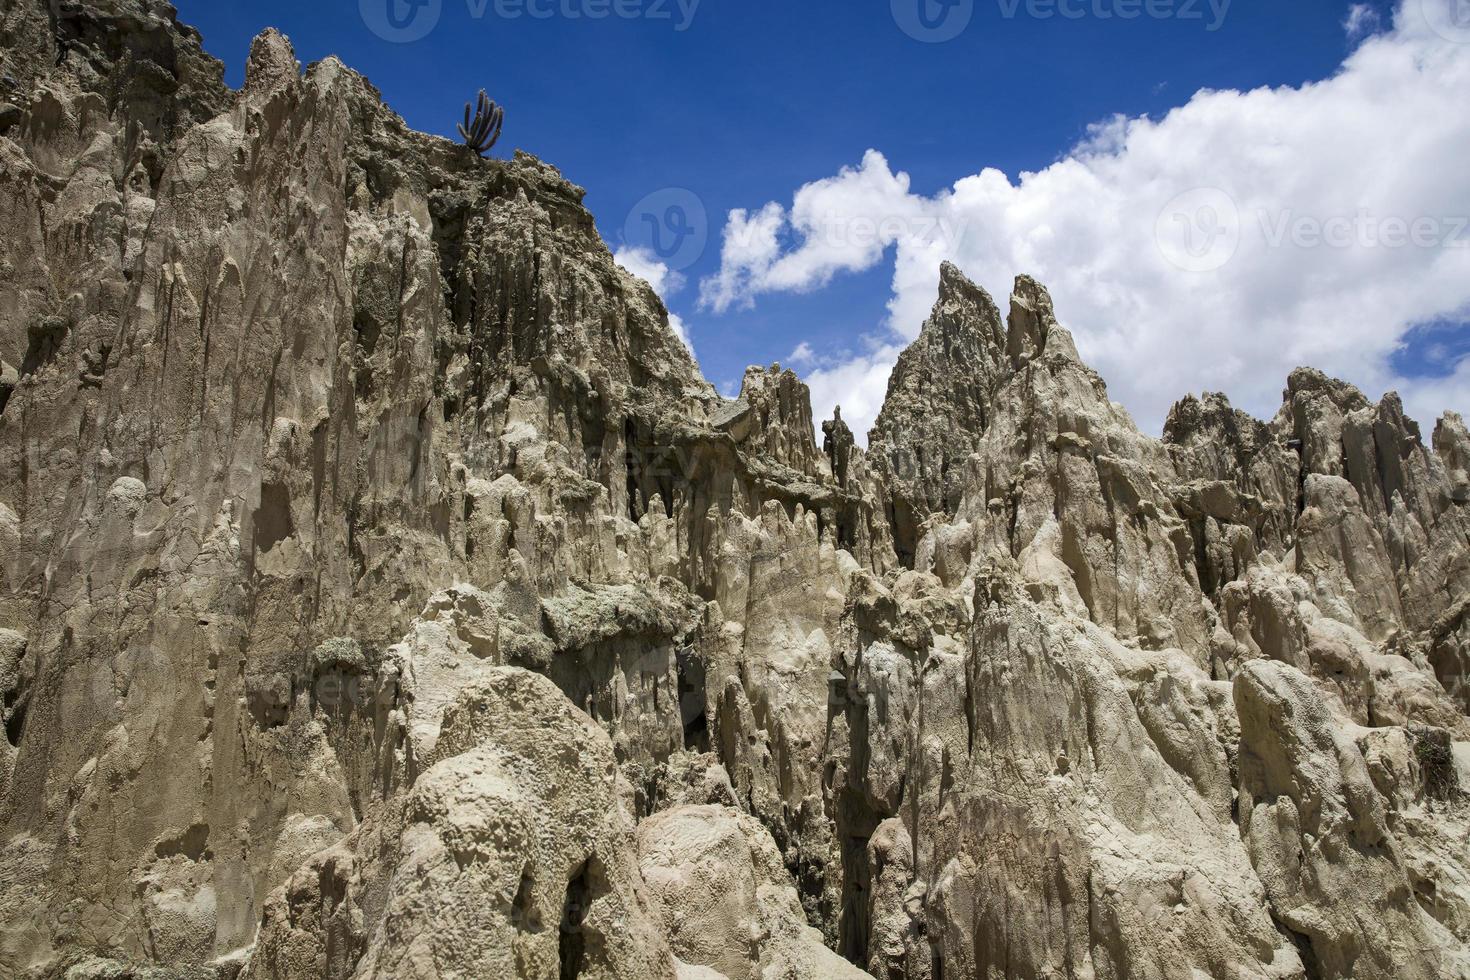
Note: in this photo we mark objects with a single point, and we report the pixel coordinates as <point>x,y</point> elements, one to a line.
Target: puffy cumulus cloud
<point>750,244</point>
<point>841,224</point>
<point>1216,248</point>
<point>644,264</point>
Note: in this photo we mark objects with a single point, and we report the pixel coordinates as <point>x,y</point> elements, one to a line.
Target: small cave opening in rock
<point>665,482</point>
<point>273,517</point>
<point>367,330</point>
<point>905,531</point>
<point>13,710</point>
<point>847,520</point>
<point>1311,966</point>
<point>693,703</point>
<point>269,699</point>
<point>1199,535</point>
<point>575,943</point>
<point>15,723</point>
<point>856,823</point>
<point>1451,667</point>
<point>192,844</point>
<point>523,912</point>
<point>44,340</point>
<point>450,218</point>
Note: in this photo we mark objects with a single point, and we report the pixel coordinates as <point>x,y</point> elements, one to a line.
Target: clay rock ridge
<point>385,593</point>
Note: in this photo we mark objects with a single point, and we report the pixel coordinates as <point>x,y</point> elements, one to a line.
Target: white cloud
<point>844,223</point>
<point>1362,20</point>
<point>644,264</point>
<point>1428,399</point>
<point>803,356</point>
<point>858,384</point>
<point>750,243</point>
<point>1342,225</point>
<point>676,323</point>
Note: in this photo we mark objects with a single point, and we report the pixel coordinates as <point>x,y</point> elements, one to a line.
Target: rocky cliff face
<point>383,593</point>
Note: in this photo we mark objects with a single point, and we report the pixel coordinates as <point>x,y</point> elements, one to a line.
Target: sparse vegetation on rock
<point>482,130</point>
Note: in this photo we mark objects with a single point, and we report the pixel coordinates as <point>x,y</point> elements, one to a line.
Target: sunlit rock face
<point>384,593</point>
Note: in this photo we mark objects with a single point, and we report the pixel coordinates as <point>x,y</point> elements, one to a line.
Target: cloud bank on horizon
<point>1217,248</point>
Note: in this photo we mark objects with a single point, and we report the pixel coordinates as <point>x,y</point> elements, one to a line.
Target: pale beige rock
<point>384,593</point>
<point>1317,833</point>
<point>459,877</point>
<point>725,899</point>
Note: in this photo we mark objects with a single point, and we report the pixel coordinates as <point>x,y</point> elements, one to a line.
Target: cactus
<point>481,131</point>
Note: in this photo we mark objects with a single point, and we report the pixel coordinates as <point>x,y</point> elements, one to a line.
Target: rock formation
<point>384,593</point>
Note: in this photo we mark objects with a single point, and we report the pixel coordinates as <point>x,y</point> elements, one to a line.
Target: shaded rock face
<point>938,405</point>
<point>383,593</point>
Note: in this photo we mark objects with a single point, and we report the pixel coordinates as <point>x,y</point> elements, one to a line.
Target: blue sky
<point>744,102</point>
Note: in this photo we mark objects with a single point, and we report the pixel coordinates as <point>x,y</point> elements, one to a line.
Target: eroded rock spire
<point>384,592</point>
